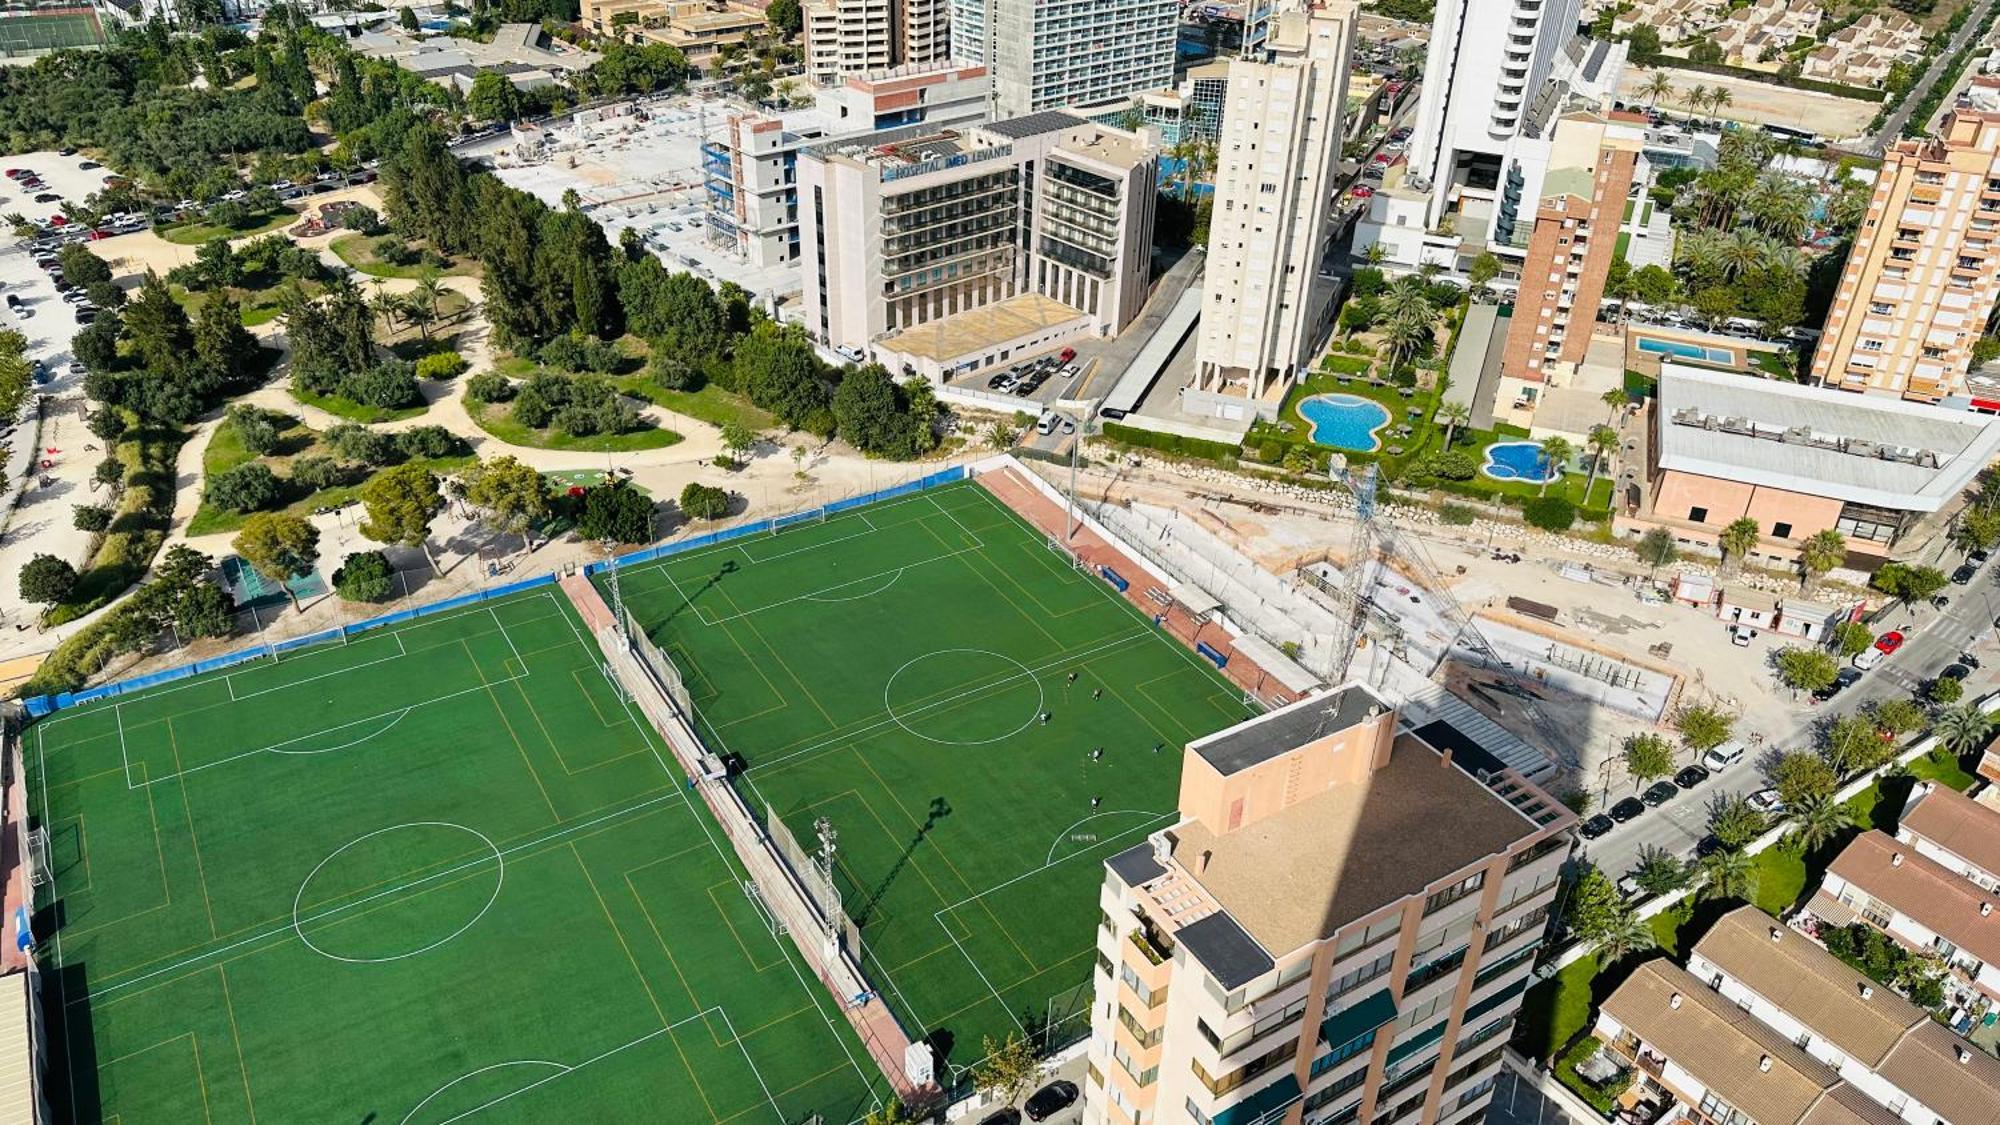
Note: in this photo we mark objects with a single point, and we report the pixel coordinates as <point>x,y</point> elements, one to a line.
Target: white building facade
<point>1048,54</point>
<point>1265,301</point>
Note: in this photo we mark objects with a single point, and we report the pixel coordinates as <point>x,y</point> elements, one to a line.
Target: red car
<point>1363,191</point>
<point>1067,355</point>
<point>1889,642</point>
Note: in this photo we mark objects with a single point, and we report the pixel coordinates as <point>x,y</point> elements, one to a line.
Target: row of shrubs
<point>577,405</point>
<point>255,487</point>
<point>1171,443</point>
<point>141,468</point>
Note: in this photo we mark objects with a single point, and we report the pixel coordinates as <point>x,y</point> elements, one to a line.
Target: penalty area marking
<point>499,867</point>
<point>400,716</point>
<point>1041,697</point>
<point>561,1070</point>
<point>1064,834</point>
<point>821,597</point>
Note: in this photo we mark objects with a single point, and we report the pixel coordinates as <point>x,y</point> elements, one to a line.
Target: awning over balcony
<point>1358,1019</point>
<point>1266,1105</point>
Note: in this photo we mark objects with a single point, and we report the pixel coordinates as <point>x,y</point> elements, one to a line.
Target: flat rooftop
<point>1278,732</point>
<point>1301,875</point>
<point>1868,449</point>
<point>976,330</point>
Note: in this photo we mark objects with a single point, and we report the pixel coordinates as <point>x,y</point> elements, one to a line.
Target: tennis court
<point>49,31</point>
<point>436,873</point>
<point>888,669</point>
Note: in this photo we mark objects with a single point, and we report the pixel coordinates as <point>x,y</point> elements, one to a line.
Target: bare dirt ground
<point>1759,103</point>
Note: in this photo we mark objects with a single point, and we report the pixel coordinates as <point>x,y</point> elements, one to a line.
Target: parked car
<point>1884,647</point>
<point>1629,887</point>
<point>1627,809</point>
<point>1596,826</point>
<point>1965,572</point>
<point>48,197</point>
<point>1722,757</point>
<point>1954,672</point>
<point>1051,1100</point>
<point>1691,777</point>
<point>1708,846</point>
<point>1659,793</point>
<point>89,165</point>
<point>1767,801</point>
<point>1007,1115</point>
<point>1002,382</point>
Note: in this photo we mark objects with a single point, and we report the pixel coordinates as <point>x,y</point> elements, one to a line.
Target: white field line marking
<point>750,1062</point>
<point>278,747</point>
<point>395,631</point>
<point>566,1071</point>
<point>400,716</point>
<point>1051,858</point>
<point>333,911</point>
<point>508,637</point>
<point>892,720</point>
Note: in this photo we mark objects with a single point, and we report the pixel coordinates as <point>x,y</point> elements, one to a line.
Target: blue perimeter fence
<point>40,705</point>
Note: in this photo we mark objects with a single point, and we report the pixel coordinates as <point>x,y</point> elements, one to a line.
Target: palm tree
<point>1819,554</point>
<point>1726,874</point>
<point>1962,728</point>
<point>1403,334</point>
<point>1742,252</point>
<point>1720,99</point>
<point>1617,400</point>
<point>1626,933</point>
<point>1407,297</point>
<point>1376,253</point>
<point>386,305</point>
<point>1737,539</point>
<point>1658,88</point>
<point>429,290</point>
<point>1818,819</point>
<point>1603,441</point>
<point>1694,97</point>
<point>1556,453</point>
<point>1453,415</point>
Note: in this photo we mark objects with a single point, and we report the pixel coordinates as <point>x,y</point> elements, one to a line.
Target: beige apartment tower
<point>1921,279</point>
<point>863,36</point>
<point>1264,301</point>
<point>1339,929</point>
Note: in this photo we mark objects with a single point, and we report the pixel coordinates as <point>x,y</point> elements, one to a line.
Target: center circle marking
<point>500,879</point>
<point>888,690</point>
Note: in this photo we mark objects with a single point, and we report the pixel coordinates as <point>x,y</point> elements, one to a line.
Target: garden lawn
<point>498,420</point>
<point>341,407</point>
<point>258,306</point>
<point>710,404</point>
<point>358,251</point>
<point>196,232</point>
<point>1554,1010</point>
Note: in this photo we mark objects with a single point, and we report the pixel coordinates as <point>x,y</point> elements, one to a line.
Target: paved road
<point>1893,127</point>
<point>1937,639</point>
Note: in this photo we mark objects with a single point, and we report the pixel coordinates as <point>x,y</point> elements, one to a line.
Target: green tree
<point>702,502</point>
<point>511,497</point>
<point>1945,691</point>
<point>46,579</point>
<point>1453,415</point>
<point>1603,442</point>
<point>1800,775</point>
<point>1483,270</point>
<point>1962,729</point>
<point>203,610</point>
<point>1550,513</point>
<point>1820,553</point>
<point>366,576</point>
<point>1627,934</point>
<point>280,548</point>
<point>785,17</point>
<point>615,512</point>
<point>407,19</point>
<point>1009,1070</point>
<point>1853,742</point>
<point>400,504</point>
<point>248,487</point>
<point>1896,717</point>
<point>1817,819</point>
<point>1556,454</point>
<point>1656,548</point>
<point>1659,871</point>
<point>1727,874</point>
<point>1703,727</point>
<point>1806,669</point>
<point>1647,757</point>
<point>91,517</point>
<point>1738,539</point>
<point>254,427</point>
<point>1734,820</point>
<point>738,439</point>
<point>1850,639</point>
<point>1594,905</point>
<point>492,98</point>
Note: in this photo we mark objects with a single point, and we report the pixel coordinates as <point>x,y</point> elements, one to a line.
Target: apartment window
<point>1698,515</point>
<point>1196,1115</point>
<point>1361,975</point>
<point>1355,939</point>
<point>1871,345</point>
<point>1530,920</point>
<point>1441,899</point>
<point>1141,1035</point>
<point>1881,308</point>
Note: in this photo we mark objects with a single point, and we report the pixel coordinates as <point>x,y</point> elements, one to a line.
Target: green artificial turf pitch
<point>437,873</point>
<point>886,669</point>
<point>49,31</point>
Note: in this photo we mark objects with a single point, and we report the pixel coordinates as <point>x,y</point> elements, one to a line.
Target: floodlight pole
<point>1074,520</point>
<point>829,844</point>
<point>617,597</point>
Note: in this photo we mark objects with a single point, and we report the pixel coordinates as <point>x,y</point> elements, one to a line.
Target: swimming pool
<point>1345,421</point>
<point>1680,350</point>
<point>1519,460</point>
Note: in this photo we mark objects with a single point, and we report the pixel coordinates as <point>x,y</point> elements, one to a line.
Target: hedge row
<point>138,527</point>
<point>1171,443</point>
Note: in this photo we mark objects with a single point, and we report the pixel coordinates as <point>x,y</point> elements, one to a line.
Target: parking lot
<point>49,474</point>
